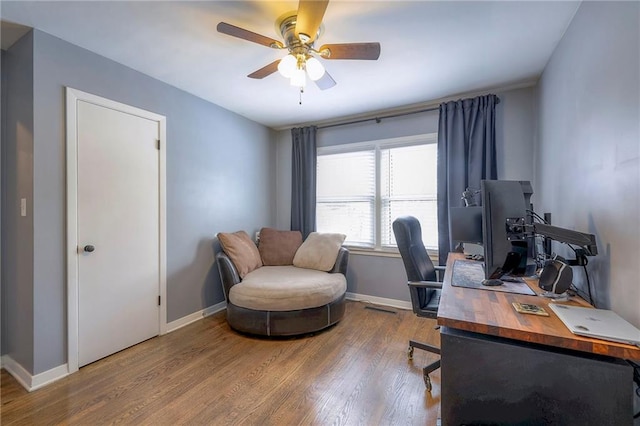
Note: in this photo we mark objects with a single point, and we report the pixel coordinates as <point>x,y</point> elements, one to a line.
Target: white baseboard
<point>400,304</point>
<point>49,376</point>
<point>181,322</point>
<point>17,371</point>
<point>29,382</point>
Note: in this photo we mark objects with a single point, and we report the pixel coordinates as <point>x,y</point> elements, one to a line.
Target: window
<point>362,188</point>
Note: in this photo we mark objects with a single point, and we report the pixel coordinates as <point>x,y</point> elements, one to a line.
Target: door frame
<point>73,96</point>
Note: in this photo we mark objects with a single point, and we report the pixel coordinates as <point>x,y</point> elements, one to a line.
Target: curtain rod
<point>379,119</point>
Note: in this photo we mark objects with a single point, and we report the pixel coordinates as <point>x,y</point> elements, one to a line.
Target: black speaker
<point>556,277</point>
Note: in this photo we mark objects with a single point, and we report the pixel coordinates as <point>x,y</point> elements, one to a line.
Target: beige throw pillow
<point>277,248</point>
<point>319,251</point>
<point>241,250</point>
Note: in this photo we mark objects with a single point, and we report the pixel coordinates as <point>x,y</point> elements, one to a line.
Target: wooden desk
<point>490,312</point>
<point>502,367</point>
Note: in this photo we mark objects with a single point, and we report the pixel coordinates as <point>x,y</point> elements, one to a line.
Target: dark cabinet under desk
<point>492,380</point>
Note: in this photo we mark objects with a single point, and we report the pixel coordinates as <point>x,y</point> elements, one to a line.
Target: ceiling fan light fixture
<point>287,66</point>
<point>298,78</point>
<point>304,38</point>
<point>300,30</point>
<point>314,69</point>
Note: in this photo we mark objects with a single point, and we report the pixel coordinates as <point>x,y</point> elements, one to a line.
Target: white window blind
<point>346,195</point>
<point>408,187</point>
<point>361,192</point>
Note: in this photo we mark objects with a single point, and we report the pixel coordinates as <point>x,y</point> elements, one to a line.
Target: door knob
<point>89,248</point>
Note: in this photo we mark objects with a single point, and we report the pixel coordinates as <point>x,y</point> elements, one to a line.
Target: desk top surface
<point>491,312</point>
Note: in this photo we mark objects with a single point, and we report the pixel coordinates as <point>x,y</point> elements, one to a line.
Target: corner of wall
<point>17,184</point>
<point>3,129</point>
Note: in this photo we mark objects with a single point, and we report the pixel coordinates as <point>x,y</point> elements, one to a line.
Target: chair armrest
<point>228,273</point>
<point>425,284</point>
<point>440,272</point>
<point>341,262</point>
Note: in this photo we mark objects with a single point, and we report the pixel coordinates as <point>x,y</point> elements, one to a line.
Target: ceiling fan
<point>299,31</point>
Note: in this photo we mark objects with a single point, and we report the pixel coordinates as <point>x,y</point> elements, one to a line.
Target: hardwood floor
<point>356,372</point>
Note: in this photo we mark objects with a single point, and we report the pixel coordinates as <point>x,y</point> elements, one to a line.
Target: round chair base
<point>285,323</point>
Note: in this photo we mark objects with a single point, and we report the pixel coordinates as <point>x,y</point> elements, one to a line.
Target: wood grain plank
<point>205,373</point>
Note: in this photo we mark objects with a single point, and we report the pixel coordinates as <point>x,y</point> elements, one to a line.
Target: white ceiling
<point>429,49</point>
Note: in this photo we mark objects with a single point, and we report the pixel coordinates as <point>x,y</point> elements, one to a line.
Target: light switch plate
<point>23,207</point>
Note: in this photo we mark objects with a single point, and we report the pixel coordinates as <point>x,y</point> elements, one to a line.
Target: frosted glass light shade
<point>287,66</point>
<point>315,69</point>
<point>298,78</point>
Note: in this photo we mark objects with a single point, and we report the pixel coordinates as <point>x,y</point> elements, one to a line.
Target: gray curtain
<point>466,155</point>
<point>303,180</point>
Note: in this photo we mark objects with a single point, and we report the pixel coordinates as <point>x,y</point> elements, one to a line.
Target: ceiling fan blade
<point>234,31</point>
<point>325,82</point>
<point>266,70</point>
<point>370,51</point>
<point>309,18</point>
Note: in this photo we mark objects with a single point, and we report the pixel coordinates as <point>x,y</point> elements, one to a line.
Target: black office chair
<point>422,277</point>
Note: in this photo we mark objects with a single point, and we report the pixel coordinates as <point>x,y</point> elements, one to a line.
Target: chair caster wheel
<point>427,382</point>
<point>410,353</point>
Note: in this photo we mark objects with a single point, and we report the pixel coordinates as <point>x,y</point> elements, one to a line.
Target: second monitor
<point>502,199</point>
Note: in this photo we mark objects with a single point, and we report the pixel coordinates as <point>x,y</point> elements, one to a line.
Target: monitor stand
<point>562,297</point>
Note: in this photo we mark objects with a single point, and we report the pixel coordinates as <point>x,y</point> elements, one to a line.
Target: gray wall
<point>3,137</point>
<point>588,168</point>
<point>384,276</point>
<point>17,183</point>
<point>219,178</point>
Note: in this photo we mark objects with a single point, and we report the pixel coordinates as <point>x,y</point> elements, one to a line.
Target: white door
<point>118,225</point>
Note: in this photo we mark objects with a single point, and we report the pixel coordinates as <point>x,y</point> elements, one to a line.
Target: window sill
<point>373,252</point>
<point>360,251</point>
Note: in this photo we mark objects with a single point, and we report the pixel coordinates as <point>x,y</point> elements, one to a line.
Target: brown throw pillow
<point>241,250</point>
<point>277,248</point>
<point>319,251</point>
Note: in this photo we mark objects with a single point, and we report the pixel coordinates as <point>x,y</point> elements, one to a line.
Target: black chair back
<point>417,263</point>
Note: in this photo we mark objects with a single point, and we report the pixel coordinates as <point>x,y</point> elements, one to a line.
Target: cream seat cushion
<point>287,288</point>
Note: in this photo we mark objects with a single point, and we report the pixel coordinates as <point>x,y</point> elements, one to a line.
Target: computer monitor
<point>502,199</point>
<point>466,224</point>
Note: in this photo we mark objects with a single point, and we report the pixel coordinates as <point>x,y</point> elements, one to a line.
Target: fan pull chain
<point>300,99</point>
